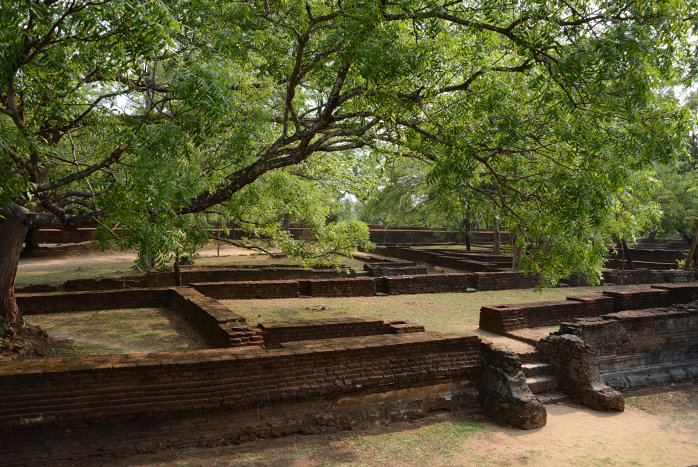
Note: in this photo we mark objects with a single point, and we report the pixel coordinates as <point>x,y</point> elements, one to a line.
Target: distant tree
<point>146,117</point>
<point>677,193</point>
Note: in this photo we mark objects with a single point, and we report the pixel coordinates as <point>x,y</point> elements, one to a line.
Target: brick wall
<point>428,283</point>
<point>213,320</point>
<point>353,287</point>
<point>62,302</point>
<point>504,280</point>
<point>197,274</point>
<point>248,289</point>
<point>648,276</point>
<point>642,347</point>
<point>45,398</point>
<point>638,298</point>
<point>66,236</point>
<point>275,333</point>
<point>679,293</point>
<point>503,318</point>
<point>437,259</point>
<point>394,268</point>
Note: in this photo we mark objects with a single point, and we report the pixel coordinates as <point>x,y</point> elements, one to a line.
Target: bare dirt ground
<point>659,428</point>
<point>54,264</point>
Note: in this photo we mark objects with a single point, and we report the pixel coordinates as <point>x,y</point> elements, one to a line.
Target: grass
<point>424,445</point>
<point>677,405</point>
<point>118,331</point>
<point>58,275</point>
<point>445,312</point>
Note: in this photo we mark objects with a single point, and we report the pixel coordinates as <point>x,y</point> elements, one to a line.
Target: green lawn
<point>444,312</point>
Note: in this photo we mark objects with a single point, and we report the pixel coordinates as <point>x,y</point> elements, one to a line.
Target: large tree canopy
<point>142,115</point>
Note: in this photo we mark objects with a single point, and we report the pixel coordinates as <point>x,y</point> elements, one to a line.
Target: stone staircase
<point>540,379</point>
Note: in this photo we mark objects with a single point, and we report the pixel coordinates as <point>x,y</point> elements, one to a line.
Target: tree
<point>149,116</point>
<point>677,193</point>
<point>406,196</point>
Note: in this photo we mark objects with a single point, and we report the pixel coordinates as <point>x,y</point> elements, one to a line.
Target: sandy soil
<point>574,435</point>
<point>84,255</point>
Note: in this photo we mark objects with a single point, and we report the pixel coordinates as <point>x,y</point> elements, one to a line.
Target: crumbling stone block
<point>574,366</point>
<point>504,393</point>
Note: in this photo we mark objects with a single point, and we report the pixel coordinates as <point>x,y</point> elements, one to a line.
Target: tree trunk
<point>692,251</point>
<point>177,272</point>
<point>31,242</point>
<point>466,232</point>
<point>626,254</point>
<point>497,248</point>
<point>12,233</point>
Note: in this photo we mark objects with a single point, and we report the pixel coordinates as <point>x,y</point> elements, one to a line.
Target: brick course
<point>426,283</point>
<point>248,289</point>
<point>357,286</point>
<point>275,333</point>
<point>504,318</point>
<point>74,390</point>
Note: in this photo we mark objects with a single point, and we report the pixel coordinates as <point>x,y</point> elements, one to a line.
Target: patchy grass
<point>118,331</point>
<point>420,446</point>
<point>71,349</point>
<point>445,312</point>
<point>679,404</point>
<point>55,275</point>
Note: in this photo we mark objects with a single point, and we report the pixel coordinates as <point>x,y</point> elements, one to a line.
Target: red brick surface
<point>73,390</point>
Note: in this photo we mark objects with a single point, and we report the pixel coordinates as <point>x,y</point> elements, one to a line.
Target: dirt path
<point>663,433</point>
<point>81,261</point>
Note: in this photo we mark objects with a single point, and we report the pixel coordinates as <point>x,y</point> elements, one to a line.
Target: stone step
<point>537,369</point>
<point>552,397</point>
<point>529,357</point>
<point>543,383</point>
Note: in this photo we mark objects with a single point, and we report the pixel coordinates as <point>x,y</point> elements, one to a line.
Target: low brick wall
<point>648,276</point>
<point>395,268</point>
<point>219,326</point>
<point>679,293</point>
<point>427,283</point>
<point>352,287</point>
<point>248,289</point>
<point>247,393</point>
<point>66,302</point>
<point>504,280</point>
<point>504,318</point>
<point>275,333</point>
<point>437,259</point>
<point>638,298</point>
<point>642,347</point>
<point>196,274</point>
<point>214,321</point>
<point>66,236</point>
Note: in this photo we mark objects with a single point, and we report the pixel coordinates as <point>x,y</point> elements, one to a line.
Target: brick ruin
<point>278,378</point>
<point>619,340</point>
<point>649,265</point>
<point>272,379</point>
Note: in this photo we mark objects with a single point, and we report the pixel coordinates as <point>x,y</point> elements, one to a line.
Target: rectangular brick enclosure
<point>504,318</point>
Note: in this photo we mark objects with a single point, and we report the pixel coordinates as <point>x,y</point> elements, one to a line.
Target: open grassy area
<point>118,331</point>
<point>676,403</point>
<point>445,312</point>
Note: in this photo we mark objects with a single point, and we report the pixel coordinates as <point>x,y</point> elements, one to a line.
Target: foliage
<point>154,118</point>
<point>678,190</point>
